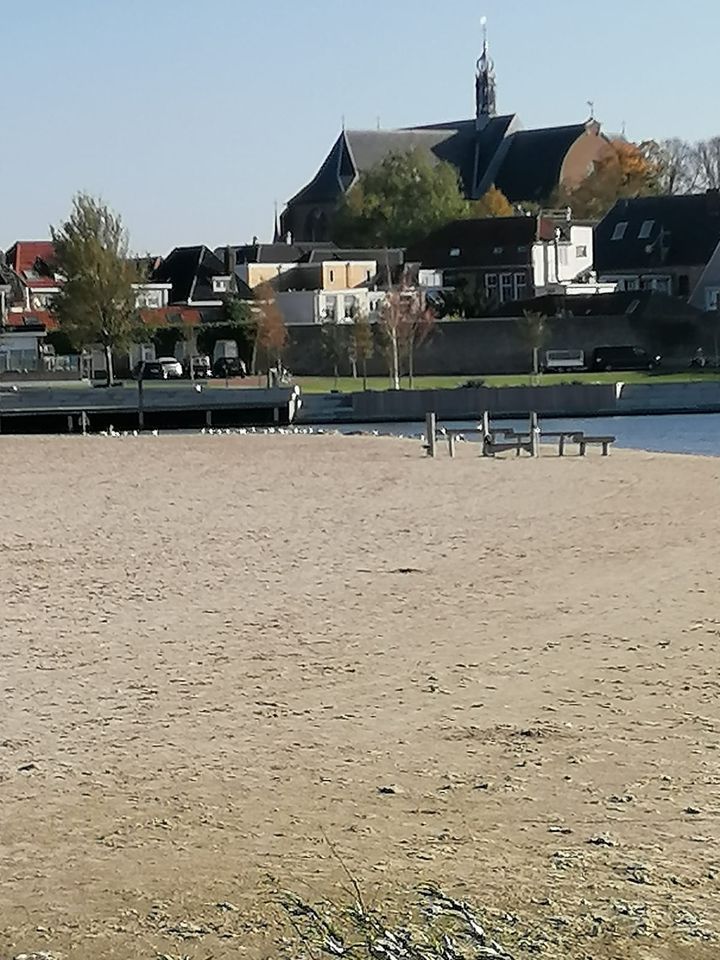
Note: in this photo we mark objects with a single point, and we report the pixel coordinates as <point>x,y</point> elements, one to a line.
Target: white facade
<point>706,295</point>
<point>556,264</point>
<point>151,296</point>
<point>329,306</point>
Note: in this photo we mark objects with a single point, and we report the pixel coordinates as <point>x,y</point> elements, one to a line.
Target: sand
<point>217,652</point>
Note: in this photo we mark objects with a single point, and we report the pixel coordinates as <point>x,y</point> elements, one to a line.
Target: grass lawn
<point>349,385</point>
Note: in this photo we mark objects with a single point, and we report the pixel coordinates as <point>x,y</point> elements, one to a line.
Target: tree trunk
<point>364,365</point>
<point>353,365</point>
<point>108,364</point>
<point>253,358</point>
<point>395,361</point>
<point>411,365</point>
<point>337,375</point>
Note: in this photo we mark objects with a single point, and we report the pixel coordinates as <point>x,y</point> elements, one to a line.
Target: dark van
<point>622,358</point>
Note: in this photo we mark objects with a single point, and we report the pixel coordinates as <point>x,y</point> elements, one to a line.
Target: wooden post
<point>561,446</point>
<point>276,414</point>
<point>430,429</point>
<point>84,423</point>
<point>486,423</point>
<point>208,418</point>
<point>141,401</point>
<point>70,423</point>
<point>534,435</point>
<point>451,444</point>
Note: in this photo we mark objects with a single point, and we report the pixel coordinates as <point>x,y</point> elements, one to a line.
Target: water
<point>682,433</point>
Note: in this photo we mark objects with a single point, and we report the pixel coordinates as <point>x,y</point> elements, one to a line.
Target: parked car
<point>173,367</point>
<point>198,367</point>
<point>150,370</point>
<point>562,361</point>
<point>227,367</point>
<point>623,358</point>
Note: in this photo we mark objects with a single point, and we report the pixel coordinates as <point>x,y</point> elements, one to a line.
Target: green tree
<point>399,201</point>
<point>493,204</point>
<point>362,342</point>
<point>241,320</point>
<point>96,302</point>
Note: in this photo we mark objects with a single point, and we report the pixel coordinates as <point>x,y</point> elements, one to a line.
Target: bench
<point>603,442</point>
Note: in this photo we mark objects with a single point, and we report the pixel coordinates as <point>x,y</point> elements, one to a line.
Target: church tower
<point>485,86</point>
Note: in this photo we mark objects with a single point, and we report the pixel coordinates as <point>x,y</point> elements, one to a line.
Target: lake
<point>681,433</point>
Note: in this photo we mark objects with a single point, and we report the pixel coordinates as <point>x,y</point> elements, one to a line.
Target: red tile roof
<point>31,318</point>
<point>23,256</point>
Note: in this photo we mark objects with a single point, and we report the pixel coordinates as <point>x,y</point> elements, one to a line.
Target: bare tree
<point>707,159</point>
<point>678,169</point>
<point>418,323</point>
<point>362,343</point>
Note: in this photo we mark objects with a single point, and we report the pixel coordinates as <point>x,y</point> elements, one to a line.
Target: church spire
<point>485,86</point>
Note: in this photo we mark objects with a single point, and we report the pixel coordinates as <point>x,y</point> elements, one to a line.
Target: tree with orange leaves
<point>629,170</point>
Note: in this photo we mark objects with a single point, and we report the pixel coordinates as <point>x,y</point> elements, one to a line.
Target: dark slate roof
<point>277,252</point>
<point>531,168</point>
<point>524,164</point>
<point>190,271</point>
<point>479,243</point>
<point>685,232</point>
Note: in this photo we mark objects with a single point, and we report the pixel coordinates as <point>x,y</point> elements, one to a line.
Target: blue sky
<point>192,118</point>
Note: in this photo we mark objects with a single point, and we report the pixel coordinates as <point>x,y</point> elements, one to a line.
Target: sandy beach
<point>216,652</point>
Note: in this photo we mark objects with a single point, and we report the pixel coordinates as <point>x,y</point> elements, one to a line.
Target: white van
<point>563,361</point>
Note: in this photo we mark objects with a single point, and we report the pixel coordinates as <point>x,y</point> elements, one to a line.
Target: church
<point>527,165</point>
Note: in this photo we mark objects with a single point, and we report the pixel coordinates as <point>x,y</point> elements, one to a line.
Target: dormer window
<point>455,252</point>
<point>221,284</point>
<point>620,230</point>
<point>646,229</point>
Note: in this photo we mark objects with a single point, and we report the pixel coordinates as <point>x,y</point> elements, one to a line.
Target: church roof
<point>524,164</point>
<point>531,168</point>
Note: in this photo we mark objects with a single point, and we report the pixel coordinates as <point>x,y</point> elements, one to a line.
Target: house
<point>33,261</point>
<point>197,277</point>
<point>706,295</point>
<point>319,282</point>
<point>510,258</point>
<point>659,243</point>
<point>527,165</point>
<point>312,265</point>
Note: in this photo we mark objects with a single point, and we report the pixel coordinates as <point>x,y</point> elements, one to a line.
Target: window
<point>619,231</point>
<point>523,248</point>
<point>646,229</point>
<point>491,286</point>
<point>221,284</point>
<point>332,276</point>
<point>351,306</point>
<point>328,308</point>
<point>498,250</point>
<point>683,285</point>
<point>148,299</point>
<point>455,252</point>
<point>712,298</point>
<point>506,287</point>
<point>368,275</point>
<point>520,286</point>
<point>581,251</point>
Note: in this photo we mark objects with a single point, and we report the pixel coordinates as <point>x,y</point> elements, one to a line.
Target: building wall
<point>258,273</point>
<point>588,149</point>
<point>476,347</point>
<point>345,276</point>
